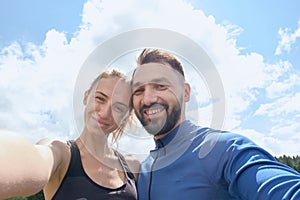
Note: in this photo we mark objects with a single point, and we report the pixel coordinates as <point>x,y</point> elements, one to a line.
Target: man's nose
<point>149,97</point>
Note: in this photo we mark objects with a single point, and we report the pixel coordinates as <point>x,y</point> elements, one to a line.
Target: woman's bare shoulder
<point>57,146</point>
<point>60,152</point>
<point>51,141</point>
<point>133,163</point>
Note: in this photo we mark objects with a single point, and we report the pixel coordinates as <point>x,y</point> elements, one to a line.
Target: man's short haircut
<point>159,56</point>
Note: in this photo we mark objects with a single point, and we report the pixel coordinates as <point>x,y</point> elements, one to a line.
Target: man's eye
<point>161,87</point>
<point>138,91</point>
<point>100,99</point>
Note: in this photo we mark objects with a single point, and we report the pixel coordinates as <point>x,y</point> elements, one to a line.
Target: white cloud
<point>279,89</point>
<point>36,82</point>
<point>272,144</point>
<point>284,113</point>
<point>287,39</point>
<point>281,106</point>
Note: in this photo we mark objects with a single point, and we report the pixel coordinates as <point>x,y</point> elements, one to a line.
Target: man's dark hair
<point>158,56</point>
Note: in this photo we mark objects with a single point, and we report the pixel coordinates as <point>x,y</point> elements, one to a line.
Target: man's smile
<point>153,110</point>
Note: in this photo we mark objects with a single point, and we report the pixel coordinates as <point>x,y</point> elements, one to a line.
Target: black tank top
<point>77,185</point>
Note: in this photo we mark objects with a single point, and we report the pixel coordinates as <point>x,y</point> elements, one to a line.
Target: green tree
<point>37,196</point>
<point>293,162</point>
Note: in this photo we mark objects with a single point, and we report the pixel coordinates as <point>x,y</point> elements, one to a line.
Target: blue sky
<point>254,45</point>
<point>30,20</point>
<point>260,21</point>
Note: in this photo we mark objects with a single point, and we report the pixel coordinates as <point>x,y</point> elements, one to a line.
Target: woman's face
<point>107,104</point>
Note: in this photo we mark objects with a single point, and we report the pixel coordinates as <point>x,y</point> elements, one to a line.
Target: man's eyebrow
<point>155,80</point>
<point>101,93</point>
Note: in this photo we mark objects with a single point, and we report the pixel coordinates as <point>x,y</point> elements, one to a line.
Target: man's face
<point>158,97</point>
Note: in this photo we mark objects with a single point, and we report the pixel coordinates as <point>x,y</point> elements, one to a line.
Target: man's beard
<point>159,126</point>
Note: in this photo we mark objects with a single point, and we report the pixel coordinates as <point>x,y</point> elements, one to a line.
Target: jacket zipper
<point>151,169</point>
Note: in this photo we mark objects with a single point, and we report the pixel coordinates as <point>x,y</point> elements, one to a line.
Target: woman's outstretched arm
<point>25,168</point>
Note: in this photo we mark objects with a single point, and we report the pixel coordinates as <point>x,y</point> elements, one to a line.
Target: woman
<point>86,168</point>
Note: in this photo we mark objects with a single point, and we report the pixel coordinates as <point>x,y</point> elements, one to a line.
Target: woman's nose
<point>104,111</point>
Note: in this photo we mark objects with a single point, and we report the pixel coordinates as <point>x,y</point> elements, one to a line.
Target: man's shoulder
<point>218,140</point>
<point>209,134</point>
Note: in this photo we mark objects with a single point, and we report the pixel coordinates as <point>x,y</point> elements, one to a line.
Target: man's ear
<point>85,97</point>
<point>187,91</point>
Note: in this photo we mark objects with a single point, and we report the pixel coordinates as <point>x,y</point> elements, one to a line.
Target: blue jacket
<point>193,162</point>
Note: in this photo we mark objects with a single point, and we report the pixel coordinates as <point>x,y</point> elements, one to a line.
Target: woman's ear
<point>85,97</point>
<point>187,92</point>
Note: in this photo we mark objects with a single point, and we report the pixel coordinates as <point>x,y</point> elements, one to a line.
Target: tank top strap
<point>75,165</point>
<point>124,164</point>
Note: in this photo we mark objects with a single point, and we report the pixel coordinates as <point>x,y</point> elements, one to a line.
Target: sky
<point>254,46</point>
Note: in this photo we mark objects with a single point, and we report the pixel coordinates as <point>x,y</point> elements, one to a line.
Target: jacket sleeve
<point>252,173</point>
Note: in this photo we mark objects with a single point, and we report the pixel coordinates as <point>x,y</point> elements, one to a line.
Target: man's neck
<point>157,137</point>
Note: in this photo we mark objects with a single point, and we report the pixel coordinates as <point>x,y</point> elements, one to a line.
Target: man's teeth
<point>153,111</point>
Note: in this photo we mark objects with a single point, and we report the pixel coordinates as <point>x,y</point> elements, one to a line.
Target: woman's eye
<point>120,109</point>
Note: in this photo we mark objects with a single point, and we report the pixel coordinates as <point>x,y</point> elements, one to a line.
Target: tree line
<point>292,161</point>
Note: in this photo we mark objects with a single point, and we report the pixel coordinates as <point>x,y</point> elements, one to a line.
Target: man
<point>233,166</point>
